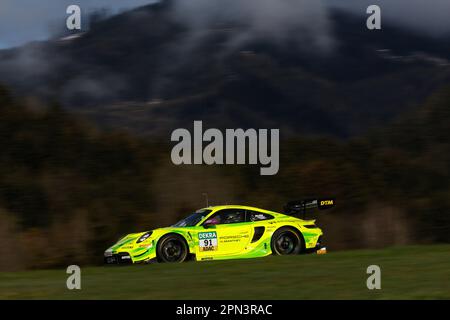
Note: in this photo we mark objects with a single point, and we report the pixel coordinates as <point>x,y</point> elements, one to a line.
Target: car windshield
<point>192,219</point>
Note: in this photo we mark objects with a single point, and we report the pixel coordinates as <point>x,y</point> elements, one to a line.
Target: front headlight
<point>108,253</point>
<point>144,237</point>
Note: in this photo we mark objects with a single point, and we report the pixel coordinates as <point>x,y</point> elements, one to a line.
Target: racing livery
<point>225,232</point>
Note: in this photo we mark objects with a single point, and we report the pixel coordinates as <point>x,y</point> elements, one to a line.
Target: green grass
<point>419,272</point>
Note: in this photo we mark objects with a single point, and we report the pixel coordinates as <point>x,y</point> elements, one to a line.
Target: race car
<point>225,232</point>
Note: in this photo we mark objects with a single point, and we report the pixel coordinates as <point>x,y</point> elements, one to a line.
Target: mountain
<point>149,72</point>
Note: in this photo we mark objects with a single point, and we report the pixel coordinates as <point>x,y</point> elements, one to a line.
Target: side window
<point>227,216</point>
<point>257,216</point>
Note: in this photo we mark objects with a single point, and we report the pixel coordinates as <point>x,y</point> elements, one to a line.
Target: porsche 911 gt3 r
<point>225,232</point>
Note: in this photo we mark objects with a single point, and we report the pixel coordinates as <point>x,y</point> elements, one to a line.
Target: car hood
<point>129,243</point>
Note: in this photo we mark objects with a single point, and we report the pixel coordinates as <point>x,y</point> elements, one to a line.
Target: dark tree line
<point>68,190</point>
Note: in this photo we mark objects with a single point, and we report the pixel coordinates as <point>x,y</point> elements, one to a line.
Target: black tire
<point>172,248</point>
<point>286,241</point>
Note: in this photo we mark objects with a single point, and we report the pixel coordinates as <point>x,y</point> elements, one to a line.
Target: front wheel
<point>172,248</point>
<point>286,241</point>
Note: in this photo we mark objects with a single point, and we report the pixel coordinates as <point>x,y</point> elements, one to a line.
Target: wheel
<point>286,241</point>
<point>172,248</point>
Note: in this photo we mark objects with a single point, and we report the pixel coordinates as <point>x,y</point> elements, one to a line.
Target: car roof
<point>233,206</point>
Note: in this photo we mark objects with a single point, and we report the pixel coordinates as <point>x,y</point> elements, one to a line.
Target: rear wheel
<point>172,248</point>
<point>286,241</point>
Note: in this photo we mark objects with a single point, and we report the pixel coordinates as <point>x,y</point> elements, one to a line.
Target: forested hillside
<point>68,190</point>
<point>151,71</point>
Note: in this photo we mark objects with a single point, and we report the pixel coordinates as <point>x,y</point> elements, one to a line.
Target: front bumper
<point>118,258</point>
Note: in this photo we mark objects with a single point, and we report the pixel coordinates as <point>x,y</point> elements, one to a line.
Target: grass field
<point>419,272</point>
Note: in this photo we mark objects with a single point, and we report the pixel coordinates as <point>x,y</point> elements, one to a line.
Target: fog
<point>27,20</point>
<point>268,19</point>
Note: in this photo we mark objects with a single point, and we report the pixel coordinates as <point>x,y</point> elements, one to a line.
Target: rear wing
<point>294,208</point>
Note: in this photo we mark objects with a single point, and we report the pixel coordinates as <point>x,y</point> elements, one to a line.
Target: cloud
<point>31,61</point>
<point>268,19</point>
<point>27,20</point>
<point>92,88</point>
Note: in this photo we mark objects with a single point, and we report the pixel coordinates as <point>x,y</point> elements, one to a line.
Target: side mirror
<point>209,225</point>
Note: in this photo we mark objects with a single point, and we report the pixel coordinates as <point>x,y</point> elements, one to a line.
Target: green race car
<point>225,232</point>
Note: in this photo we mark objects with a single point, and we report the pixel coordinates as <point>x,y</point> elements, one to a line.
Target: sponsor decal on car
<point>207,241</point>
<point>326,202</point>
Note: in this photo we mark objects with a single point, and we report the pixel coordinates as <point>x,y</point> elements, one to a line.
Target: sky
<point>22,21</point>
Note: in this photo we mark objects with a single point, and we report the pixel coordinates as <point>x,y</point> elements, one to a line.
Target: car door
<point>225,233</point>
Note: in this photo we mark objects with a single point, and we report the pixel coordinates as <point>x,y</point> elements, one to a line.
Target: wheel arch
<point>176,234</point>
<point>296,231</point>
